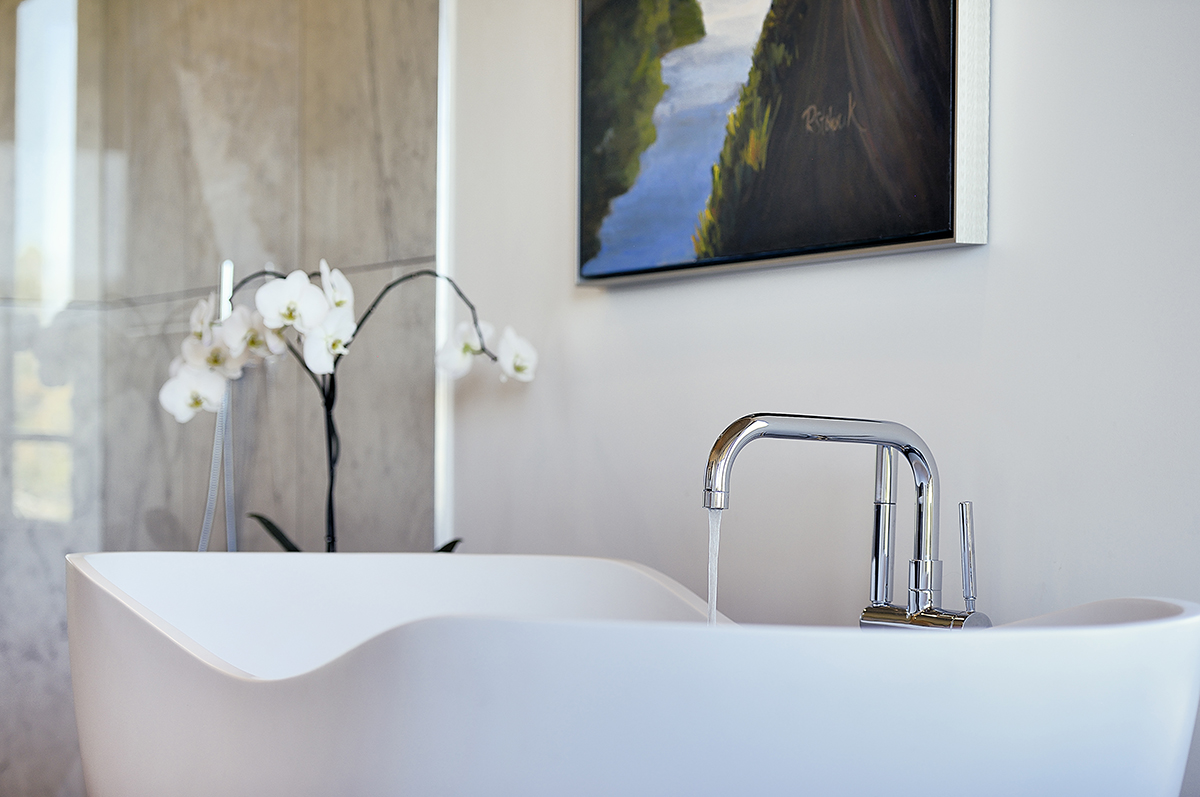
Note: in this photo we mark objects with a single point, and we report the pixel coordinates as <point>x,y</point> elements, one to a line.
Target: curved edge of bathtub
<point>658,597</point>
<point>504,706</point>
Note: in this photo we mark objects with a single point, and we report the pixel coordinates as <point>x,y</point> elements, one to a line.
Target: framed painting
<point>731,133</point>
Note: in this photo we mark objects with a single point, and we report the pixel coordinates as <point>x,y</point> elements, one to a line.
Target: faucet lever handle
<point>967,546</point>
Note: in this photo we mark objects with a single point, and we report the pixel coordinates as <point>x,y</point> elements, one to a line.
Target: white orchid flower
<point>323,344</point>
<point>202,318</point>
<point>231,366</point>
<point>294,301</point>
<point>458,352</point>
<point>517,357</point>
<point>214,358</point>
<point>276,342</point>
<point>238,330</point>
<point>244,331</point>
<point>190,390</point>
<point>194,353</point>
<point>338,290</point>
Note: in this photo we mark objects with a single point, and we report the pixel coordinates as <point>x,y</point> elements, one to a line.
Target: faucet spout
<point>925,569</point>
<point>834,430</point>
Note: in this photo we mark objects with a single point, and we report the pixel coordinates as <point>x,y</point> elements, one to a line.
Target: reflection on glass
<point>41,457</point>
<point>45,154</point>
<point>39,409</point>
<point>42,480</point>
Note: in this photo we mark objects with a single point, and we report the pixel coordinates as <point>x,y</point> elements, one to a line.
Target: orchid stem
<point>428,272</point>
<point>333,451</point>
<point>242,282</point>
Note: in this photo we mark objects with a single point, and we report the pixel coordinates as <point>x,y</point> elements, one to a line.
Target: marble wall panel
<point>209,104</point>
<point>370,129</point>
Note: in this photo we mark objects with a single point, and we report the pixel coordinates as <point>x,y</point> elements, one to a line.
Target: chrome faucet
<point>889,439</point>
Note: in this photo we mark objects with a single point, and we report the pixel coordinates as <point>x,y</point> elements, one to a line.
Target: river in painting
<point>652,224</point>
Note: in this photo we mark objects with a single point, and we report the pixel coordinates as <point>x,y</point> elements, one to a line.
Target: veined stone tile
<point>211,134</point>
<point>370,129</point>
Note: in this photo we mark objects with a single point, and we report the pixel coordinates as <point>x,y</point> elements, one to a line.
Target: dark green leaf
<point>450,546</point>
<point>277,532</point>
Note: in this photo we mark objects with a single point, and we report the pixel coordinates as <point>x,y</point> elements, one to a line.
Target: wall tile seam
<point>194,293</point>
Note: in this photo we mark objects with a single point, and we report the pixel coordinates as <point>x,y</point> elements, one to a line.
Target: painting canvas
<point>722,131</point>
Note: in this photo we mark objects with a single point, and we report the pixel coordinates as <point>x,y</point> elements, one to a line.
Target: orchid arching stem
<point>428,272</point>
<point>327,384</point>
<point>333,448</point>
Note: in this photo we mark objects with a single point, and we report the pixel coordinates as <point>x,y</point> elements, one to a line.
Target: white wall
<point>1053,372</point>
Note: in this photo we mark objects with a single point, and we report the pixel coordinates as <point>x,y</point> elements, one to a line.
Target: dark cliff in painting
<point>843,134</point>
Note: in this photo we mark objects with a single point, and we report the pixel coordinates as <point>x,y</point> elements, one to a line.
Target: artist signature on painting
<point>826,121</point>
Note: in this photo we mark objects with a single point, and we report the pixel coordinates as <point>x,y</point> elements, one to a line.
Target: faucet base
<point>889,616</point>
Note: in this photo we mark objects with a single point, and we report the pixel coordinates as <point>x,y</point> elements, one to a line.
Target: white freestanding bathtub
<point>433,674</point>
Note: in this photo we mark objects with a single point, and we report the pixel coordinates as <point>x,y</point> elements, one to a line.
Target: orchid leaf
<point>277,532</point>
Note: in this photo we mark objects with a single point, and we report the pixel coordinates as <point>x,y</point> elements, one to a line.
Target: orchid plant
<point>322,326</point>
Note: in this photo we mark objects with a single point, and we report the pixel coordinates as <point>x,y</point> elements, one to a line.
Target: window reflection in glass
<point>45,153</point>
<point>41,454</point>
<point>42,480</point>
<point>39,409</point>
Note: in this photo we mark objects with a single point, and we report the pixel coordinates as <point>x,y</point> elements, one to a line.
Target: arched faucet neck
<point>925,571</point>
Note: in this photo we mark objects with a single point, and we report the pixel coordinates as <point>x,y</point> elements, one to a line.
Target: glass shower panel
<point>45,154</point>
<point>41,453</point>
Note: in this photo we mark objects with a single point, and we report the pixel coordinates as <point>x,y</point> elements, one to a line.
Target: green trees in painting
<point>623,42</point>
<point>687,22</point>
<point>748,134</point>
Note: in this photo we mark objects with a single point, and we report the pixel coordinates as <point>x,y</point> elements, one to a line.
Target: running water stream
<point>714,547</point>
